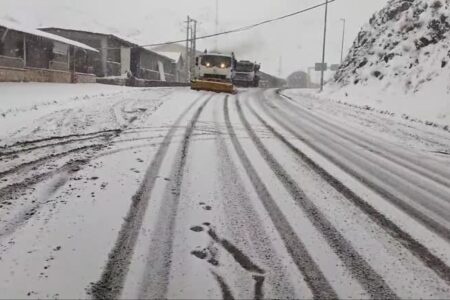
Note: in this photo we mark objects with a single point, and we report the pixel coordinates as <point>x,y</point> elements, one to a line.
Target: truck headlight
<point>222,65</point>
<point>208,64</point>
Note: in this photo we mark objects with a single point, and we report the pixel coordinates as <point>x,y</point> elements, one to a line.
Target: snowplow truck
<point>246,74</point>
<point>213,72</point>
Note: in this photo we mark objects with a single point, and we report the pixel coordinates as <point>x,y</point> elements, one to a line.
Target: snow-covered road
<point>154,193</point>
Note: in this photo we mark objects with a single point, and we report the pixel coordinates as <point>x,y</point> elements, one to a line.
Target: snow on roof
<point>126,40</point>
<point>172,55</point>
<point>50,36</point>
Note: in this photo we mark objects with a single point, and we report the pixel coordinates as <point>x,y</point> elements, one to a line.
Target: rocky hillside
<point>405,47</point>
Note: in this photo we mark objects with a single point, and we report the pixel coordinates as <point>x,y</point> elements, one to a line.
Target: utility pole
<point>217,26</point>
<point>191,45</point>
<point>343,40</point>
<point>187,62</point>
<point>324,46</point>
<point>194,41</point>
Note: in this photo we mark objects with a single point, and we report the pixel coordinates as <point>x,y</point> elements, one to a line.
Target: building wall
<point>45,60</point>
<point>114,62</point>
<point>146,65</point>
<point>93,61</point>
<point>33,75</point>
<point>11,49</point>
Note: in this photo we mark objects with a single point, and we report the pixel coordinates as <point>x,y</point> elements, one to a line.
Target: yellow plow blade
<point>213,86</point>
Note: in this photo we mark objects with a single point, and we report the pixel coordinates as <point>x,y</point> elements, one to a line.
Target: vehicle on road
<point>213,72</point>
<point>246,74</point>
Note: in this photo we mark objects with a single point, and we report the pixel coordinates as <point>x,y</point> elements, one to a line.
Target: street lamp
<point>324,43</point>
<point>343,40</point>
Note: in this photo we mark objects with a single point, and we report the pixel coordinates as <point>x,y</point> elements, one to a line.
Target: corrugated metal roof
<point>50,36</point>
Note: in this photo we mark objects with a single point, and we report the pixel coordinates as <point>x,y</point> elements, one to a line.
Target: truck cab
<point>246,74</point>
<point>214,67</point>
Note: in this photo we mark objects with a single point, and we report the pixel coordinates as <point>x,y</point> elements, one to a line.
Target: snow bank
<point>400,61</point>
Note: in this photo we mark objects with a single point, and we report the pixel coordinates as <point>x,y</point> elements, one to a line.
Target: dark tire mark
<point>243,260</point>
<point>60,137</point>
<point>111,282</point>
<point>160,252</point>
<point>427,221</point>
<point>417,249</point>
<point>224,288</point>
<point>360,269</point>
<point>313,276</point>
<point>50,157</point>
<point>80,138</point>
<point>259,284</point>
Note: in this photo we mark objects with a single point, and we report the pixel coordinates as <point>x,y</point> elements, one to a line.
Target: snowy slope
<point>400,61</point>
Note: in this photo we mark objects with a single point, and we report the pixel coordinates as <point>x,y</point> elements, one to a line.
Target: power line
<point>244,28</point>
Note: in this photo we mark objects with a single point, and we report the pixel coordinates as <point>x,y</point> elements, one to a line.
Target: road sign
<point>334,67</point>
<point>321,67</point>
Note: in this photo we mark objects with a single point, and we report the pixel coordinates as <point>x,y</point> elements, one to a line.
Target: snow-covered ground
<point>110,192</point>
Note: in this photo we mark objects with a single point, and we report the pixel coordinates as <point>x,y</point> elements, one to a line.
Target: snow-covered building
<point>114,56</point>
<point>180,68</point>
<point>150,65</point>
<point>178,53</point>
<point>28,54</point>
<point>119,56</point>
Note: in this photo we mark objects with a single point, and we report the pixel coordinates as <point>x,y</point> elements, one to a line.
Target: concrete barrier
<point>154,83</point>
<point>45,75</point>
<point>12,74</point>
<point>83,78</point>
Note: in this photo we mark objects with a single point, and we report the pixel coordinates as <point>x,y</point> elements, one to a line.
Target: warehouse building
<point>120,57</point>
<point>28,54</point>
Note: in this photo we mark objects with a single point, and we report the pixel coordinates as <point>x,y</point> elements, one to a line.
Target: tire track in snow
<point>224,288</point>
<point>429,192</point>
<point>365,143</point>
<point>44,159</point>
<point>245,223</point>
<point>320,287</point>
<point>111,282</point>
<point>414,212</point>
<point>418,215</point>
<point>156,274</point>
<point>421,252</point>
<point>372,282</point>
<point>60,140</point>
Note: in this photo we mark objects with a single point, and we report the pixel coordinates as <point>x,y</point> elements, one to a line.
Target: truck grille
<point>215,76</point>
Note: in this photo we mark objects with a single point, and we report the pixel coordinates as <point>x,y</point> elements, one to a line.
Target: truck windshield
<point>216,61</point>
<point>244,67</point>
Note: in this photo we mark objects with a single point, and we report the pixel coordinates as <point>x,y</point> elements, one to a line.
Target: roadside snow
<point>428,104</point>
<point>424,107</point>
<point>24,96</point>
<point>22,105</point>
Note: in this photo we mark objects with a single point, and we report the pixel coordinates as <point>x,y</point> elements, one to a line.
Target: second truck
<point>246,74</point>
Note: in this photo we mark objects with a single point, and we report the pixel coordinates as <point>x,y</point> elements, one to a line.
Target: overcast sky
<point>296,42</point>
